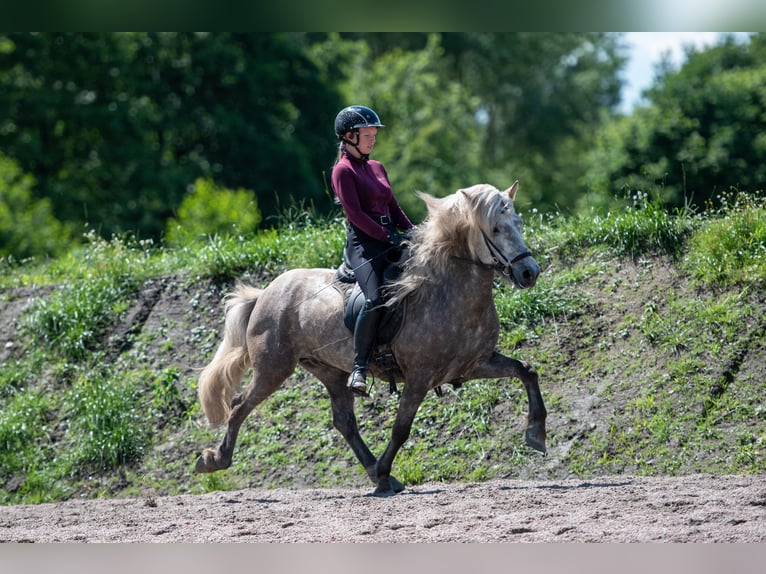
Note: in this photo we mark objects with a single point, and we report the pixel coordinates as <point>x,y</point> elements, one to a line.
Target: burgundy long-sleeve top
<point>365,193</point>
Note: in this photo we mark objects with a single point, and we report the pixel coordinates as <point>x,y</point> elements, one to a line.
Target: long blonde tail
<point>220,380</point>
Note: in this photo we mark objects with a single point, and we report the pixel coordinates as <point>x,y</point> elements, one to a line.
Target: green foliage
<point>107,130</point>
<point>23,422</point>
<point>316,245</point>
<point>701,133</point>
<point>28,227</point>
<point>544,96</point>
<point>431,141</point>
<point>555,298</point>
<point>730,250</point>
<point>210,209</point>
<point>72,321</point>
<point>108,423</point>
<point>114,126</point>
<point>646,227</point>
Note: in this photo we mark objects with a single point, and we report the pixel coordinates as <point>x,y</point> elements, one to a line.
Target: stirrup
<point>357,382</point>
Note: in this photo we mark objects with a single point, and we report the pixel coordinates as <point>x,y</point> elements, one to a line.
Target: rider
<point>375,222</point>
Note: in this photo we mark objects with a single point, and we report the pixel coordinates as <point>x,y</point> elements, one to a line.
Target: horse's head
<point>498,241</point>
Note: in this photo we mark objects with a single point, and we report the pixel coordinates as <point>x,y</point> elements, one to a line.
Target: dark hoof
<point>209,462</point>
<point>535,443</point>
<point>201,466</point>
<point>396,486</point>
<point>381,493</point>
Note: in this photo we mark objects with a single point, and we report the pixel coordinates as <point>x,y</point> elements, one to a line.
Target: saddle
<point>390,323</point>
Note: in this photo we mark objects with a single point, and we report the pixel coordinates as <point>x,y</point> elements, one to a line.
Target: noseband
<point>501,262</point>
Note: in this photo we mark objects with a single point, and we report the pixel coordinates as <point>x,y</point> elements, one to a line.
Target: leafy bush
<point>28,227</point>
<point>646,227</point>
<point>211,209</point>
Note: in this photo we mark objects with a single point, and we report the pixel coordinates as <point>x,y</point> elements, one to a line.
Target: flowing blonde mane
<point>451,229</point>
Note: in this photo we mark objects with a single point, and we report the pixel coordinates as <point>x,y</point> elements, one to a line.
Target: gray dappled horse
<point>448,335</point>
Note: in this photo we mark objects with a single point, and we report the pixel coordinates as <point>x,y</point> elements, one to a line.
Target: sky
<point>646,50</point>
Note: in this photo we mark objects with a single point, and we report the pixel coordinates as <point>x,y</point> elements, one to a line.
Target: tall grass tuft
<point>23,430</point>
<point>645,227</point>
<point>108,423</point>
<point>73,319</point>
<point>730,248</point>
<point>315,244</point>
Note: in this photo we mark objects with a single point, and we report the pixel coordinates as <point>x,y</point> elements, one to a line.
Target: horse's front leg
<point>409,403</point>
<point>499,366</point>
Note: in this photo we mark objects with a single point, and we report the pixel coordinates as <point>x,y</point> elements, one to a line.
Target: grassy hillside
<point>647,330</point>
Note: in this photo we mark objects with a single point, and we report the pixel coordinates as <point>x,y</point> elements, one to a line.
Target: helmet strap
<point>355,144</point>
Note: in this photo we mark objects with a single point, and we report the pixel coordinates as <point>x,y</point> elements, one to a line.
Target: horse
<point>449,333</point>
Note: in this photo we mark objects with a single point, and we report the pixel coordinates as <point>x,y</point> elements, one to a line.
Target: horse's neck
<point>467,287</point>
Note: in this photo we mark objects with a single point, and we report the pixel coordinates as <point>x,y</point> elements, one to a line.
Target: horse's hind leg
<point>344,419</point>
<point>262,385</point>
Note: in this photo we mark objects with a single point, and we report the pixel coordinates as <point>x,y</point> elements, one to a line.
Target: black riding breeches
<point>367,258</point>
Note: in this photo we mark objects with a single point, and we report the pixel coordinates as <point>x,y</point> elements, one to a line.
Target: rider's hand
<point>395,238</point>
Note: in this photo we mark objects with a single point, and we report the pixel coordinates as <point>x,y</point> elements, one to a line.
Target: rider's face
<point>366,139</point>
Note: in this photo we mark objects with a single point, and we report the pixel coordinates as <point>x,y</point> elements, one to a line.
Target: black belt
<point>383,219</point>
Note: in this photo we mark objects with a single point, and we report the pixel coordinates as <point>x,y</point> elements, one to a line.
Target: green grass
<point>645,228</point>
<point>76,420</point>
<point>730,249</point>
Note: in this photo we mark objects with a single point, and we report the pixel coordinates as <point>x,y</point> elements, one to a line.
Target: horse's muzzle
<point>525,273</point>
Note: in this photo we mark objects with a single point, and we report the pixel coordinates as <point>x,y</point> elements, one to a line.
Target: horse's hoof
<point>396,486</point>
<point>536,443</point>
<point>206,462</point>
<point>383,493</point>
<point>201,466</point>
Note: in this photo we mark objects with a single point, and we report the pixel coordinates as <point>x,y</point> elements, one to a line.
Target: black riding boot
<point>365,333</point>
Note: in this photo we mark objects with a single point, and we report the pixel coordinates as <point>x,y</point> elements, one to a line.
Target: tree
<point>116,127</point>
<point>542,95</point>
<point>431,141</point>
<point>537,100</point>
<point>702,132</point>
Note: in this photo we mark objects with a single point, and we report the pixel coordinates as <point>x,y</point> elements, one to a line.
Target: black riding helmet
<point>352,118</point>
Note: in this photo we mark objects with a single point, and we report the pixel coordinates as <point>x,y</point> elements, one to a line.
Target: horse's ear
<point>511,191</point>
<point>467,196</point>
<point>432,203</point>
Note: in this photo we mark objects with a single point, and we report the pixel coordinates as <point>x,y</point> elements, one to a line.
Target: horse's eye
<point>495,230</point>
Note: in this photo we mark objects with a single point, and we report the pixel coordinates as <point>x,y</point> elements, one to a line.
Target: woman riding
<point>375,225</point>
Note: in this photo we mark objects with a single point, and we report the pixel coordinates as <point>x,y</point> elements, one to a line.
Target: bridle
<point>499,261</point>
